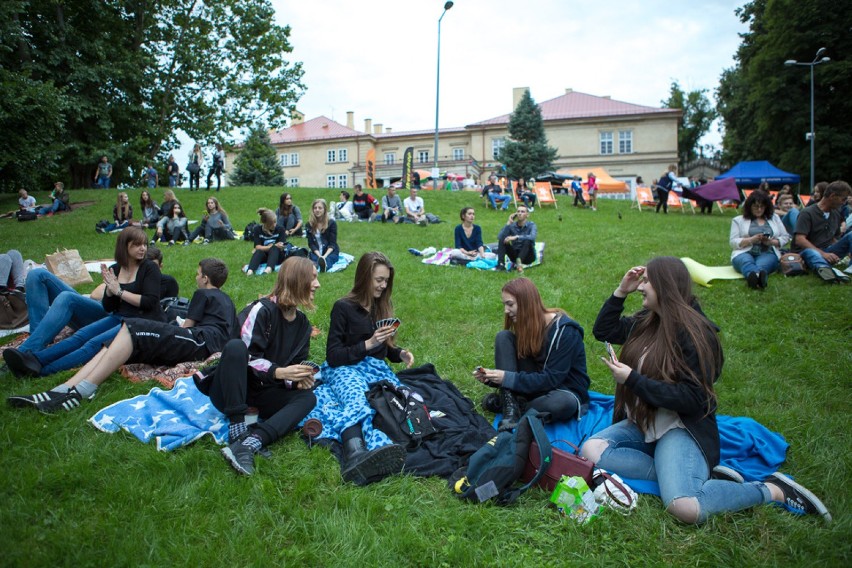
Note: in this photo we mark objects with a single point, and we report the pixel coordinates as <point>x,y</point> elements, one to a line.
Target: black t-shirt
<point>173,168</point>
<point>168,287</point>
<point>261,237</point>
<point>215,317</point>
<point>819,227</point>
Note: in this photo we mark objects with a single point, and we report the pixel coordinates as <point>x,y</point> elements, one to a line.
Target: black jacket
<point>351,326</point>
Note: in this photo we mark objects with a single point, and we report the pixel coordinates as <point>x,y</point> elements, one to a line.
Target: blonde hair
<point>320,222</point>
<point>267,219</point>
<point>293,285</point>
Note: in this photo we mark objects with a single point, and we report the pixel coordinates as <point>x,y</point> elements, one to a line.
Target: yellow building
<point>625,139</point>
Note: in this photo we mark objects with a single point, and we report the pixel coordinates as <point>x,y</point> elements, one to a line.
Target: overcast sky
<point>378,58</point>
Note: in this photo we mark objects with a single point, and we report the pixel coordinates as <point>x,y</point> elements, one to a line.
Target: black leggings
<point>233,387</point>
<point>273,257</point>
<point>523,250</point>
<point>663,200</point>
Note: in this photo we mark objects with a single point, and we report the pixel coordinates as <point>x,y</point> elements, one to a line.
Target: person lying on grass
<point>539,360</point>
<point>263,368</point>
<point>211,320</point>
<point>664,423</point>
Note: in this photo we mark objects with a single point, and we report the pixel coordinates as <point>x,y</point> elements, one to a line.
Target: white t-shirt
<point>414,205</point>
<point>28,203</point>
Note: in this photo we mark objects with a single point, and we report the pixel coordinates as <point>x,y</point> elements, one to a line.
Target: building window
<point>343,155</point>
<point>342,181</point>
<point>423,156</point>
<point>285,160</point>
<point>331,157</point>
<point>294,159</point>
<point>625,141</point>
<point>331,181</point>
<point>606,142</point>
<point>458,154</point>
<point>497,145</point>
<point>292,182</point>
<point>390,158</point>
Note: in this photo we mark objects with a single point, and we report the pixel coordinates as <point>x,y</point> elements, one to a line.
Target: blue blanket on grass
<point>746,445</point>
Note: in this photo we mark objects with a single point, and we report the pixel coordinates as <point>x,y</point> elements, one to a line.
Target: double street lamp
<point>818,58</point>
<point>435,171</point>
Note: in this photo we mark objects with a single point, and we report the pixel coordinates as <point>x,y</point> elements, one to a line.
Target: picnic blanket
<point>704,274</point>
<point>343,260</point>
<point>746,446</point>
<point>442,258</point>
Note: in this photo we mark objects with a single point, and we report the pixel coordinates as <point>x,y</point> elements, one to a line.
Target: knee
<point>235,347</point>
<point>593,449</point>
<point>504,338</point>
<point>685,509</point>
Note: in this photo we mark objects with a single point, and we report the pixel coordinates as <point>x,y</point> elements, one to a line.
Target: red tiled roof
<point>580,105</point>
<point>314,129</point>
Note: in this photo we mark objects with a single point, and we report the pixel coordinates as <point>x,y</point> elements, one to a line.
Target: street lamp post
<point>435,170</point>
<point>812,134</point>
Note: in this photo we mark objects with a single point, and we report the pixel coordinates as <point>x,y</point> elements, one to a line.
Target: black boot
<point>511,411</point>
<point>492,403</point>
<point>363,467</point>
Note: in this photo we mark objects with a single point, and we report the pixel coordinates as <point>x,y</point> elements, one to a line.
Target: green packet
<point>574,499</point>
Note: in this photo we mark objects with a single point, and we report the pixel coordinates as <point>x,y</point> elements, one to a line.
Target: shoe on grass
<point>25,400</point>
<point>22,363</point>
<point>725,473</point>
<point>753,280</point>
<point>66,401</point>
<point>239,456</point>
<point>797,499</point>
<point>322,264</point>
<point>826,274</point>
<point>763,279</point>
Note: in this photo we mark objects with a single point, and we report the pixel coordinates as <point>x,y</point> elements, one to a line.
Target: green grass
<point>74,496</point>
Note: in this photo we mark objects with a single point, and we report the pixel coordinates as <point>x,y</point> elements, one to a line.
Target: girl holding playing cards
<point>356,351</point>
<point>539,360</point>
<point>266,367</point>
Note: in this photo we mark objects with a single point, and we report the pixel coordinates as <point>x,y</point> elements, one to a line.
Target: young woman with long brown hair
<point>263,368</point>
<point>539,360</point>
<point>355,355</point>
<point>122,214</point>
<point>289,217</point>
<point>664,423</point>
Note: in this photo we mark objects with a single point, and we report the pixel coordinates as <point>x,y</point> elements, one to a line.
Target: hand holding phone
<point>611,352</point>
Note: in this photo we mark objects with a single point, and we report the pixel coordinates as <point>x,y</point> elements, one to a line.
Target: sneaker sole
<point>232,461</point>
<point>815,501</point>
<point>724,473</point>
<point>23,401</point>
<point>381,463</point>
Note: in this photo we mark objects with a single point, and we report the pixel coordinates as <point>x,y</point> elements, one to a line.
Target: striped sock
<point>253,441</point>
<point>236,429</point>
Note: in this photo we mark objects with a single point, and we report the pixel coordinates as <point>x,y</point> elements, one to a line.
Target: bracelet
<point>120,293</point>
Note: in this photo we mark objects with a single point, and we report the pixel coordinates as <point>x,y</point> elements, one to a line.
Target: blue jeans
<point>495,197</point>
<point>80,348</point>
<point>677,463</point>
<point>173,181</point>
<point>114,226</point>
<point>103,182</point>
<point>330,260</point>
<point>841,248</point>
<point>789,221</point>
<point>746,263</point>
<point>68,306</point>
<point>42,289</point>
<point>57,206</point>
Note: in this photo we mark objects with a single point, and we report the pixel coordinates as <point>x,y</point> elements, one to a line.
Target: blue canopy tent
<point>752,174</point>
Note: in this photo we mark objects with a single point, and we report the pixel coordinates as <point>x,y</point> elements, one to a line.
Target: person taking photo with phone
<point>517,240</point>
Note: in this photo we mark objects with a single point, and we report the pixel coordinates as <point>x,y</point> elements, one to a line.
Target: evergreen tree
<point>257,163</point>
<point>698,115</point>
<point>527,154</point>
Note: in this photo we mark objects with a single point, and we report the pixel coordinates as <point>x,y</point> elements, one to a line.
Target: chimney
<point>569,91</point>
<point>606,97</point>
<point>517,95</point>
<point>296,117</point>
<point>377,128</point>
<point>388,130</point>
<point>350,120</point>
<point>368,125</point>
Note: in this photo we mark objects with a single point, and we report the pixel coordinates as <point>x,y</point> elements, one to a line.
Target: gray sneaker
<point>797,499</point>
<point>240,456</point>
<point>724,473</point>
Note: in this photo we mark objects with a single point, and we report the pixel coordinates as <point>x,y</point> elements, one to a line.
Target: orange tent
<point>606,184</point>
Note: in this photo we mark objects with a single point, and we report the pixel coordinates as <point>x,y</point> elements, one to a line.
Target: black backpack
<point>174,307</point>
<point>24,215</point>
<point>495,467</point>
<point>401,414</point>
<point>248,232</point>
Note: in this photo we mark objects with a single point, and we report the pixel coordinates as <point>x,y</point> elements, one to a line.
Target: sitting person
<point>664,424</point>
<point>818,235</point>
<point>13,275</point>
<point>215,226</point>
<point>526,193</point>
<point>415,210</point>
<point>756,239</point>
<point>26,202</point>
<point>788,211</point>
<point>352,339</point>
<point>122,214</point>
<point>60,201</point>
<point>539,360</point>
<point>343,209</point>
<point>468,238</point>
<point>263,368</point>
<point>211,320</point>
<point>495,194</point>
<point>173,227</point>
<point>364,205</point>
<point>288,216</point>
<point>322,236</point>
<point>269,243</point>
<point>132,289</point>
<point>150,210</point>
<point>517,240</point>
<point>391,207</point>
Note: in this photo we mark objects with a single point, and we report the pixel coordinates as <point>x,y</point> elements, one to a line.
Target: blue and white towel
<point>343,260</point>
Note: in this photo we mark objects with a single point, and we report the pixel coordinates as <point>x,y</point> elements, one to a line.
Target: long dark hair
<point>655,340</point>
<point>759,197</point>
<point>362,290</point>
<point>283,209</point>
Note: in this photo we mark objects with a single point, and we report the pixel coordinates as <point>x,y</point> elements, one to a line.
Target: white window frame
<point>342,181</point>
<point>343,155</point>
<point>284,160</point>
<point>390,158</point>
<point>625,141</point>
<point>423,156</point>
<point>497,145</point>
<point>292,182</point>
<point>458,154</point>
<point>331,157</point>
<point>606,144</point>
<point>331,181</point>
<point>294,159</point>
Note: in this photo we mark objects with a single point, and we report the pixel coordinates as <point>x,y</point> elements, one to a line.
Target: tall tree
<point>131,74</point>
<point>527,153</point>
<point>765,105</point>
<point>257,163</point>
<point>698,115</point>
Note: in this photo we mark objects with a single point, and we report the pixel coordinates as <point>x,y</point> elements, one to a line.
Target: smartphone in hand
<point>611,352</point>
